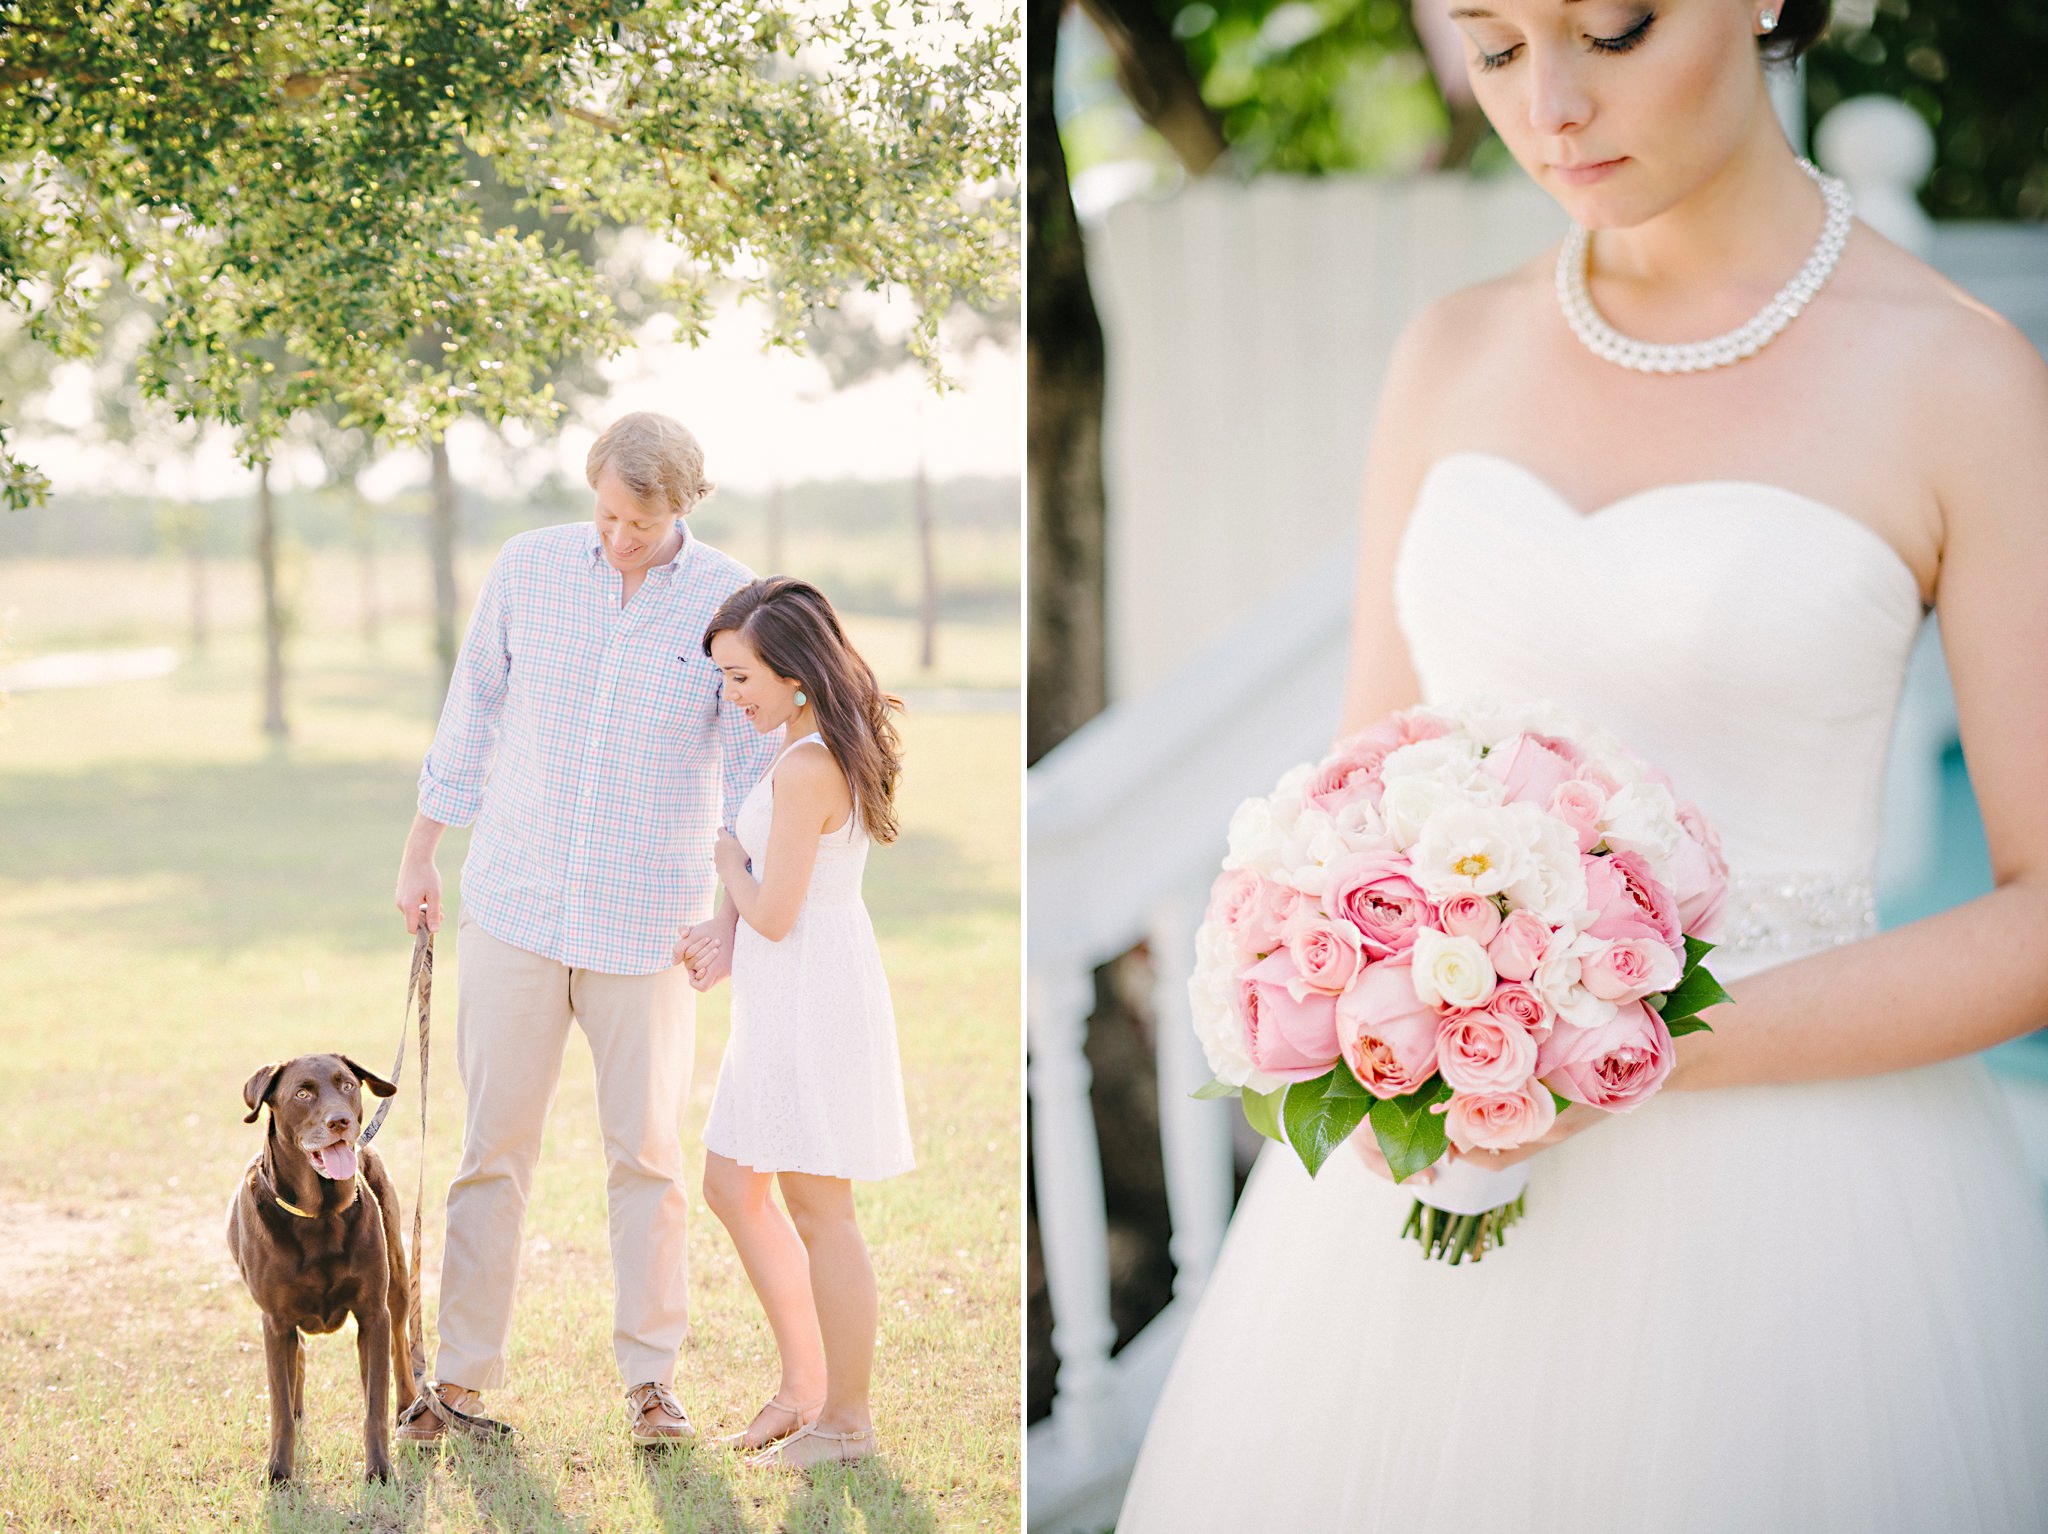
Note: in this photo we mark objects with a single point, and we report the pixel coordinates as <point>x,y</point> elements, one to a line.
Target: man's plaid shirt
<point>590,745</point>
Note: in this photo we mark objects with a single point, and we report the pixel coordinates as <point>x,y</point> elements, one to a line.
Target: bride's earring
<point>801,700</point>
<point>1768,22</point>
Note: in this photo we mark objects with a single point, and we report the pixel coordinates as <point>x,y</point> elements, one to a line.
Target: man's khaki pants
<point>512,1016</point>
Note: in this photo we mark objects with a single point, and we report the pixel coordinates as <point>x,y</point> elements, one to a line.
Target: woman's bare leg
<point>779,1268</point>
<point>842,1290</point>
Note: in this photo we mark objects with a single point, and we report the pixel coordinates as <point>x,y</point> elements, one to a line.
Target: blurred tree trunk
<point>363,523</point>
<point>273,609</point>
<point>1064,358</point>
<point>1063,415</point>
<point>927,556</point>
<point>1153,70</point>
<point>441,550</point>
<point>195,567</point>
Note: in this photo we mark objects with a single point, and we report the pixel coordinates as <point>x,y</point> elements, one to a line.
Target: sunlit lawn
<point>180,901</point>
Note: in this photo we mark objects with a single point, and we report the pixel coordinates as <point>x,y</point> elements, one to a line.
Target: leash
<point>426,1394</point>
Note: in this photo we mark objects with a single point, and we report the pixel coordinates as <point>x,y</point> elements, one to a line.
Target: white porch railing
<point>1249,326</point>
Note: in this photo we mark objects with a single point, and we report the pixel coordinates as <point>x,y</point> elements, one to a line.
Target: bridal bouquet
<point>1453,925</point>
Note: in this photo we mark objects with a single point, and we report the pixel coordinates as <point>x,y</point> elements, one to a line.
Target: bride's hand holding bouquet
<point>1457,925</point>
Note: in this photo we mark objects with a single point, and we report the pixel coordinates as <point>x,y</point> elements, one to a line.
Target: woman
<point>1805,1288</point>
<point>810,1093</point>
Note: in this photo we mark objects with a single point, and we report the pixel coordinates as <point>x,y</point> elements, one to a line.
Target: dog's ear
<point>256,1090</point>
<point>377,1084</point>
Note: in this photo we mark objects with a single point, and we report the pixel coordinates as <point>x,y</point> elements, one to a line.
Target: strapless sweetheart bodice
<point>1749,640</point>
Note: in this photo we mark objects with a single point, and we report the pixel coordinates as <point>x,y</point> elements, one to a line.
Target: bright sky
<point>761,417</point>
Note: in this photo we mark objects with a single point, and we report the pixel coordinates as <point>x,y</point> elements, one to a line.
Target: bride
<point>1807,1287</point>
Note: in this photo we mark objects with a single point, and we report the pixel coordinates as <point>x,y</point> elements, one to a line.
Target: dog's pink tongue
<point>337,1162</point>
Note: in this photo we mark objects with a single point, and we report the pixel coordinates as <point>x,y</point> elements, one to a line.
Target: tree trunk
<point>195,567</point>
<point>1063,444</point>
<point>441,550</point>
<point>927,557</point>
<point>1153,70</point>
<point>366,563</point>
<point>273,608</point>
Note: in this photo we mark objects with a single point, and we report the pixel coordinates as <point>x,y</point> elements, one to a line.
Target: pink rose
<point>1338,783</point>
<point>1294,1040</point>
<point>1579,804</point>
<point>1628,900</point>
<point>1481,1052</point>
<point>1262,925</point>
<point>1469,915</point>
<point>1232,900</point>
<point>1520,945</point>
<point>1700,872</point>
<point>1328,954</point>
<point>1628,969</point>
<point>1522,1007</point>
<point>1386,1033</point>
<point>1372,891</point>
<point>1500,1120</point>
<point>1614,1066</point>
<point>1529,767</point>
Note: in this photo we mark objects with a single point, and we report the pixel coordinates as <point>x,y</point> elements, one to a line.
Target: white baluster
<point>1073,1229</point>
<point>1884,150</point>
<point>1194,1136</point>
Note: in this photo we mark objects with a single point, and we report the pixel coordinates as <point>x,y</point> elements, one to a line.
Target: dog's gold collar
<point>306,1214</point>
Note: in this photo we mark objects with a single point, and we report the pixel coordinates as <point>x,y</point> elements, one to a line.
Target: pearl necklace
<point>1747,339</point>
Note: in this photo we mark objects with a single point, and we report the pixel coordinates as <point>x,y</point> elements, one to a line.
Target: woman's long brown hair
<point>790,625</point>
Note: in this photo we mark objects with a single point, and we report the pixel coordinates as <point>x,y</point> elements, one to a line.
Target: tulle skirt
<point>1815,1308</point>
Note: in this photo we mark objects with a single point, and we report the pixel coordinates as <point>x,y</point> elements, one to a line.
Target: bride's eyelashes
<point>1627,40</point>
<point>1618,44</point>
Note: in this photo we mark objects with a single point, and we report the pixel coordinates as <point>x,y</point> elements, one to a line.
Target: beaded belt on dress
<point>1794,911</point>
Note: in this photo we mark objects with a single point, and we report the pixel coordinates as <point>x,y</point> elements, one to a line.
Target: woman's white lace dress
<point>810,1081</point>
<point>1818,1307</point>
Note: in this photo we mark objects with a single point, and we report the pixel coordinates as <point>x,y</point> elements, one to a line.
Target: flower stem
<point>1454,1238</point>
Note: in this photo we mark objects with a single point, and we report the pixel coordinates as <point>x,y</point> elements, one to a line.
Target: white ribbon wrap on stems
<point>1461,1187</point>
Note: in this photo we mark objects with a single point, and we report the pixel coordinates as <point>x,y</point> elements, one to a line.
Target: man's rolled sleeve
<point>458,764</point>
<point>745,752</point>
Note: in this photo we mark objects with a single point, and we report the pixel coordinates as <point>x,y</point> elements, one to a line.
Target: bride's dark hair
<point>1800,25</point>
<point>790,625</point>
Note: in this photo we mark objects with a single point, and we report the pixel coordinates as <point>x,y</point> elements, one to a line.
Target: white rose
<point>1643,818</point>
<point>1258,837</point>
<point>1212,999</point>
<point>1406,804</point>
<point>1556,983</point>
<point>1472,849</point>
<point>1452,758</point>
<point>1450,971</point>
<point>1553,880</point>
<point>1318,841</point>
<point>1362,822</point>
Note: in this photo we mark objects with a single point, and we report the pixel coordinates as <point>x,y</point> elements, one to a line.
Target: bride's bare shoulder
<point>1457,340</point>
<point>1978,387</point>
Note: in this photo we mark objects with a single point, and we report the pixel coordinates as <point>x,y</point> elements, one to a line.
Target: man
<point>585,735</point>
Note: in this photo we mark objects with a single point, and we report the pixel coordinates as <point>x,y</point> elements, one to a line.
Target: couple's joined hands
<point>705,949</point>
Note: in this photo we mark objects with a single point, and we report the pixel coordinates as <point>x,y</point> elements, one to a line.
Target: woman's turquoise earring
<point>801,700</point>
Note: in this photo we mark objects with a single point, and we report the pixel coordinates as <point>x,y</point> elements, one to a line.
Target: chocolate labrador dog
<point>314,1229</point>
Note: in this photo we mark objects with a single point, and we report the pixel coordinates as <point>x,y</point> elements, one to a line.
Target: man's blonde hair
<point>655,457</point>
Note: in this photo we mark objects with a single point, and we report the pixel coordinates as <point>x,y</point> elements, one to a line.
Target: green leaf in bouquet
<point>1262,1112</point>
<point>1321,1114</point>
<point>1696,949</point>
<point>1696,992</point>
<point>1685,1025</point>
<point>1410,1136</point>
<point>1560,1099</point>
<point>1212,1089</point>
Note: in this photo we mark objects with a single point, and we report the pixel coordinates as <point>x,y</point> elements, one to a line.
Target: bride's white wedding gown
<point>1804,1308</point>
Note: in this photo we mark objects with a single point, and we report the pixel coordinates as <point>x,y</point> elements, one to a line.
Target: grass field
<point>181,901</point>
